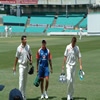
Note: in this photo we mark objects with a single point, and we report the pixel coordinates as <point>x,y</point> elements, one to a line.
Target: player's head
<point>80,29</point>
<point>23,39</point>
<point>43,43</point>
<point>74,40</point>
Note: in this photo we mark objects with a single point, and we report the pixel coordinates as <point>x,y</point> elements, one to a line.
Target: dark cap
<point>43,41</point>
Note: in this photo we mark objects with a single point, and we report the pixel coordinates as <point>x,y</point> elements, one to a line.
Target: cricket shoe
<point>42,96</point>
<point>46,96</point>
<point>69,98</point>
<point>24,98</point>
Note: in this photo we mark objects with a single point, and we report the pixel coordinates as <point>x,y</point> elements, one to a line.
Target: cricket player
<point>22,52</point>
<point>71,54</point>
<point>6,31</point>
<point>10,30</point>
<point>81,33</point>
<point>43,56</point>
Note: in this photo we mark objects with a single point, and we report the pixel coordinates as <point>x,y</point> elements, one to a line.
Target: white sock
<point>45,92</point>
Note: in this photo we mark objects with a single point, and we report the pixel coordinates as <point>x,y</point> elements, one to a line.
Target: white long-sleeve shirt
<point>22,53</point>
<point>72,54</point>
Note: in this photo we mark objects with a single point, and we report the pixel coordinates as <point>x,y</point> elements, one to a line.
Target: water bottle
<point>14,72</point>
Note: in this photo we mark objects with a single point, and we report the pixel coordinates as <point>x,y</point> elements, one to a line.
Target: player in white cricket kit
<point>71,54</point>
<point>10,30</point>
<point>6,31</point>
<point>81,33</point>
<point>22,52</point>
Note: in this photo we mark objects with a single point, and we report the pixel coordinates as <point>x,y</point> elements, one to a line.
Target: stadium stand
<point>54,30</point>
<point>35,29</point>
<point>13,20</point>
<point>18,28</point>
<point>42,20</point>
<point>69,20</point>
<point>2,28</point>
<point>83,24</point>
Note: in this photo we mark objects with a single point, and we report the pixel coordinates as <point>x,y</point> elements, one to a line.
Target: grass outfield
<point>89,88</point>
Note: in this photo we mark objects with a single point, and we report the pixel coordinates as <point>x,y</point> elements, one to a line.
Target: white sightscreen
<point>93,23</point>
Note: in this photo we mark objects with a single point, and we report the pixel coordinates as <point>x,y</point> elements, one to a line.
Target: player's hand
<point>80,67</point>
<point>37,70</point>
<point>31,62</point>
<point>51,71</point>
<point>14,69</point>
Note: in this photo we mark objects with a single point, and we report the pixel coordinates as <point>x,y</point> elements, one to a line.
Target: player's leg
<point>47,81</point>
<point>42,85</point>
<point>21,80</point>
<point>25,81</point>
<point>69,81</point>
<point>41,76</point>
<point>73,79</point>
<point>42,88</point>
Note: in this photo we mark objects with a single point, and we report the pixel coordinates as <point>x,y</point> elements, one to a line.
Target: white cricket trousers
<point>70,70</point>
<point>23,72</point>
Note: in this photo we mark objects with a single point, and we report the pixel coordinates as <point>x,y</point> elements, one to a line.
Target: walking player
<point>80,33</point>
<point>71,54</point>
<point>22,52</point>
<point>43,56</point>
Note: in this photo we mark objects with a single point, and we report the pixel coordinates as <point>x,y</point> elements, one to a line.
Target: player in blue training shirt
<point>43,57</point>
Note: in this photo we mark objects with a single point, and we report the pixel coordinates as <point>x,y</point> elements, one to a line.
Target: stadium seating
<point>42,20</point>
<point>18,28</point>
<point>83,23</point>
<point>14,20</point>
<point>54,30</point>
<point>68,21</point>
<point>2,28</point>
<point>35,29</point>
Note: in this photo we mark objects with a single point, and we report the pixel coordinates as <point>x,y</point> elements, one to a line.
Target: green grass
<point>88,88</point>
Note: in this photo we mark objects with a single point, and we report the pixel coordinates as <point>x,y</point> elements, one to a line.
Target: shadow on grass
<point>76,98</point>
<point>38,98</point>
<point>34,98</point>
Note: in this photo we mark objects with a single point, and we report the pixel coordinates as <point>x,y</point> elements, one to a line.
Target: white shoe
<point>24,98</point>
<point>68,97</point>
<point>71,98</point>
<point>46,96</point>
<point>42,96</point>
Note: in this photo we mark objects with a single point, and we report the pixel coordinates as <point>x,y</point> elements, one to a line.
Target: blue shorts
<point>43,72</point>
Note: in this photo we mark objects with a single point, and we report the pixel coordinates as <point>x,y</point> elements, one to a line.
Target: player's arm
<point>79,56</point>
<point>37,65</point>
<point>37,57</point>
<point>80,63</point>
<point>16,59</point>
<point>14,68</point>
<point>30,54</point>
<point>50,62</point>
<point>65,58</point>
<point>31,59</point>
